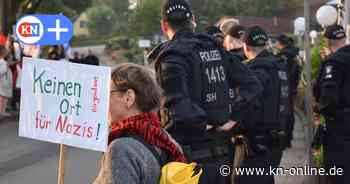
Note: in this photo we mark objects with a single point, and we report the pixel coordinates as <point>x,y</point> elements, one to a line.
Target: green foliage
<point>319,159</point>
<point>120,7</point>
<point>316,58</point>
<point>56,6</point>
<point>67,7</point>
<point>121,15</point>
<point>101,20</point>
<point>78,6</point>
<point>145,20</point>
<point>315,61</point>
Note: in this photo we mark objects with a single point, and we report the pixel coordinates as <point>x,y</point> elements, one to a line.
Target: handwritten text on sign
<point>65,103</point>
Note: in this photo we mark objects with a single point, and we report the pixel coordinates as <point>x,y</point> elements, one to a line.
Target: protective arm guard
<point>330,86</point>
<point>174,77</point>
<point>249,89</point>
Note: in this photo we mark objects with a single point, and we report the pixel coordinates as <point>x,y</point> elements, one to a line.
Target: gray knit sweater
<point>128,162</point>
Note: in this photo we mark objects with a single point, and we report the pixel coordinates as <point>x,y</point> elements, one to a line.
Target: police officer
<point>289,54</point>
<point>333,99</point>
<point>192,71</point>
<point>264,126</point>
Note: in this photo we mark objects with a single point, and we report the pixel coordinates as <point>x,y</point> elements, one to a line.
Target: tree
<point>12,9</point>
<point>120,7</point>
<point>209,11</point>
<point>145,18</point>
<point>121,14</point>
<point>101,20</point>
<point>67,7</point>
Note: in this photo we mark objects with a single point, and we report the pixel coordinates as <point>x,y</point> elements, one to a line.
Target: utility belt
<point>262,143</point>
<point>279,139</point>
<point>207,150</point>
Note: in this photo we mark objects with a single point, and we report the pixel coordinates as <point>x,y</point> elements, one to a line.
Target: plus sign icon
<point>44,29</point>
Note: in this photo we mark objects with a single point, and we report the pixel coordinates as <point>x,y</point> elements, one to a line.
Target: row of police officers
<point>217,97</point>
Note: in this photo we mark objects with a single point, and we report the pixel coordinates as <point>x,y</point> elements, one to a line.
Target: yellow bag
<point>180,173</point>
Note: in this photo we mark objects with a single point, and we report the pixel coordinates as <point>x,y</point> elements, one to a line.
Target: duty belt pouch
<point>259,145</point>
<point>205,151</point>
<point>279,139</point>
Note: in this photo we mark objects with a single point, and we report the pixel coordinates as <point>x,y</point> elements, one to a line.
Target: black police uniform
<point>265,123</point>
<point>289,55</point>
<point>239,53</point>
<point>333,99</point>
<point>333,102</point>
<point>282,136</point>
<point>267,120</point>
<point>192,70</point>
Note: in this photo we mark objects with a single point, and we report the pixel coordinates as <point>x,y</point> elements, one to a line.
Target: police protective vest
<point>333,84</point>
<point>275,101</point>
<point>208,82</point>
<point>290,56</point>
<point>285,106</point>
<point>342,60</point>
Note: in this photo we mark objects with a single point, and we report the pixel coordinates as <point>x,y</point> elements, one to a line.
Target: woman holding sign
<point>136,137</point>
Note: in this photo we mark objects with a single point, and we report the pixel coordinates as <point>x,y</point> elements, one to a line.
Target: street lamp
<point>299,29</point>
<point>327,15</point>
<point>299,25</point>
<point>313,35</point>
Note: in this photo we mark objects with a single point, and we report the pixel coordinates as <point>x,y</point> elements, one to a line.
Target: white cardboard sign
<point>65,103</point>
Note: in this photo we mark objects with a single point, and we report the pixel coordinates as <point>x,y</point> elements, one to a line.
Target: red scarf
<point>148,127</point>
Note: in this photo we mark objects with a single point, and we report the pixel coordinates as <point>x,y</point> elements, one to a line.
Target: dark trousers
<point>260,160</point>
<point>211,171</point>
<point>276,157</point>
<point>290,128</point>
<point>336,154</point>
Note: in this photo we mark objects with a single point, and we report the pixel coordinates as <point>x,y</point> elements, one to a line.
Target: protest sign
<point>65,103</point>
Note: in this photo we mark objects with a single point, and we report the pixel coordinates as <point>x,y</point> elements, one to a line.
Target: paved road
<point>25,161</point>
<point>295,156</point>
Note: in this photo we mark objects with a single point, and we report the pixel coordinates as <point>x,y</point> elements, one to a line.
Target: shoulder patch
<point>329,69</point>
<point>328,72</point>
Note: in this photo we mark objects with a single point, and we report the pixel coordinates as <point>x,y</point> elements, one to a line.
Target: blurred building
<point>274,26</point>
<point>81,25</point>
<point>283,21</point>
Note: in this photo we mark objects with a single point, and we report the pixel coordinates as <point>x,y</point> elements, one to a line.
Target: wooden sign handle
<point>61,164</point>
